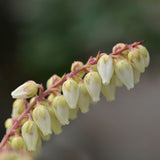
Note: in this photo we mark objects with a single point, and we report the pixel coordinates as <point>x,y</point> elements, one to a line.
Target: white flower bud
<point>105,68</point>
<point>73,113</point>
<point>120,46</point>
<point>61,109</point>
<point>18,108</point>
<point>55,124</point>
<point>42,119</point>
<point>30,135</point>
<point>17,142</point>
<point>136,59</point>
<point>84,98</point>
<point>71,92</point>
<point>76,65</point>
<point>116,80</point>
<point>26,90</point>
<point>124,72</point>
<point>109,91</point>
<point>136,75</point>
<point>145,54</point>
<point>53,80</point>
<point>92,82</point>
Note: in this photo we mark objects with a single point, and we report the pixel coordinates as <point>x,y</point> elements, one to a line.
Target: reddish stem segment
<point>91,61</point>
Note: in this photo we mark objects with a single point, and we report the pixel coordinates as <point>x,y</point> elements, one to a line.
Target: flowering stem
<point>43,94</point>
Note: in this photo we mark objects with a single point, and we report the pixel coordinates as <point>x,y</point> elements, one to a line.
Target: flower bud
<point>92,82</point>
<point>116,81</point>
<point>18,108</point>
<point>105,68</point>
<point>84,98</point>
<point>136,59</point>
<point>26,90</point>
<point>8,124</point>
<point>136,76</point>
<point>145,54</point>
<point>76,65</point>
<point>53,80</point>
<point>30,135</point>
<point>17,142</point>
<point>109,91</point>
<point>73,113</point>
<point>55,124</point>
<point>124,72</point>
<point>42,119</point>
<point>120,46</point>
<point>61,109</point>
<point>71,92</point>
<point>51,97</point>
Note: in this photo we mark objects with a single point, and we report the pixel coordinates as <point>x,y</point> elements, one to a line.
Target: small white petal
<point>26,90</point>
<point>136,75</point>
<point>30,135</point>
<point>105,68</point>
<point>125,73</point>
<point>71,92</point>
<point>61,109</point>
<point>109,91</point>
<point>92,82</point>
<point>84,98</point>
<point>42,119</point>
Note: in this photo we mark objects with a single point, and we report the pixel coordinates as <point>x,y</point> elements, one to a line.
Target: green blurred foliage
<point>53,33</point>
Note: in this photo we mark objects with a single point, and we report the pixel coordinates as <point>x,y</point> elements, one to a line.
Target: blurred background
<point>41,37</point>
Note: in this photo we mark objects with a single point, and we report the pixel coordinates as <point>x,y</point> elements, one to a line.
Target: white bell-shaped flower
<point>17,142</point>
<point>109,91</point>
<point>116,80</point>
<point>71,92</point>
<point>124,72</point>
<point>55,124</point>
<point>105,68</point>
<point>136,75</point>
<point>73,113</point>
<point>53,80</point>
<point>30,135</point>
<point>84,98</point>
<point>92,82</point>
<point>145,54</point>
<point>42,119</point>
<point>18,108</point>
<point>26,90</point>
<point>136,59</point>
<point>61,109</point>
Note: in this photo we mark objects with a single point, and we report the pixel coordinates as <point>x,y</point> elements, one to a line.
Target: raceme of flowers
<point>37,113</point>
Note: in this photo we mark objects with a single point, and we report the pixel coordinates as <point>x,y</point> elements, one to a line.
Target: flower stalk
<point>79,72</point>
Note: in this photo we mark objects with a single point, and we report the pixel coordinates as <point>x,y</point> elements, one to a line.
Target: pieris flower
<point>30,135</point>
<point>84,98</point>
<point>26,90</point>
<point>105,68</point>
<point>145,54</point>
<point>136,59</point>
<point>18,108</point>
<point>92,82</point>
<point>42,119</point>
<point>136,75</point>
<point>61,109</point>
<point>71,92</point>
<point>109,91</point>
<point>73,113</point>
<point>124,72</point>
<point>17,142</point>
<point>55,124</point>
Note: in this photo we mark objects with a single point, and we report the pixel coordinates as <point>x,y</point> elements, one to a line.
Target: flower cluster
<point>37,113</point>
